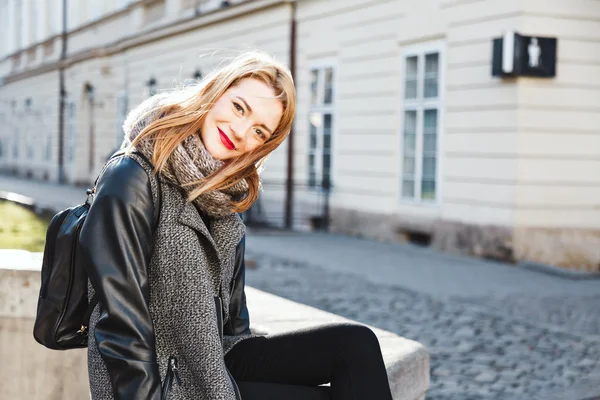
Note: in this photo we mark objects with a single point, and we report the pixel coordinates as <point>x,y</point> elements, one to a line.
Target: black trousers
<point>347,356</point>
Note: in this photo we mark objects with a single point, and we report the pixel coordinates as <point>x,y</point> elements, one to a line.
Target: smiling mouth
<point>225,140</point>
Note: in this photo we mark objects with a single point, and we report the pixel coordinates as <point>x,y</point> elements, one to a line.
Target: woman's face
<point>241,120</point>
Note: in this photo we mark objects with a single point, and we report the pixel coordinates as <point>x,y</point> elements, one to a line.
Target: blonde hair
<point>184,113</point>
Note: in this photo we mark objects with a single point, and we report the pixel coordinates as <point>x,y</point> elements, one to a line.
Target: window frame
<point>322,109</point>
<point>420,105</point>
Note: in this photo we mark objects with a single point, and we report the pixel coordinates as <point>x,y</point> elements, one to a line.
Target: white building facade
<point>398,112</point>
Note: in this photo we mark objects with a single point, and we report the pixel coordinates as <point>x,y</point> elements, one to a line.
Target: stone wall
<point>28,370</point>
<point>384,227</point>
<point>577,249</point>
<point>485,241</point>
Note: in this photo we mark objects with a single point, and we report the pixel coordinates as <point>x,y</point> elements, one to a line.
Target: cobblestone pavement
<point>479,349</point>
<point>553,310</point>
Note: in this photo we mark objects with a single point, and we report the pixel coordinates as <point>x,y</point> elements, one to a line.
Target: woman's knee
<point>357,336</point>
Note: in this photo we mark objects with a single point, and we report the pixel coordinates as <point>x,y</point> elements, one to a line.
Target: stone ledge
<point>40,373</point>
<point>407,361</point>
<point>17,198</point>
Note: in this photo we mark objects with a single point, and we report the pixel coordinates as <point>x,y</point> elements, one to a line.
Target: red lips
<point>225,140</point>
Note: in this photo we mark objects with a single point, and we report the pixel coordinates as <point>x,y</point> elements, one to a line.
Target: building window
<point>121,116</point>
<point>3,122</point>
<point>421,123</point>
<point>321,120</point>
<point>51,22</point>
<point>15,129</point>
<point>16,137</point>
<point>152,86</point>
<point>48,148</point>
<point>154,11</point>
<point>97,9</point>
<point>27,121</point>
<point>29,147</point>
<point>198,75</point>
<point>48,116</point>
<point>71,131</point>
<point>33,25</point>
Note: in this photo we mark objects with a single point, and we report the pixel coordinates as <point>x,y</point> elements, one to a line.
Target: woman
<point>164,249</point>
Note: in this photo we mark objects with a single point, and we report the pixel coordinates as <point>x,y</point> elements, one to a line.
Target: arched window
<point>198,75</point>
<point>152,86</point>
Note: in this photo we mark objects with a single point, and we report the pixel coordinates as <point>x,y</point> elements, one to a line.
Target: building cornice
<point>172,28</point>
<point>80,28</point>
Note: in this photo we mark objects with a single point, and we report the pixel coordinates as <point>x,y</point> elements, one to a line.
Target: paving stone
<point>470,370</point>
<point>498,387</point>
<point>519,330</point>
<point>486,377</point>
<point>465,347</point>
<point>586,362</point>
<point>465,332</point>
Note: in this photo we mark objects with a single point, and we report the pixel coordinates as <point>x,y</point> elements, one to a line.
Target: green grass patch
<point>21,228</point>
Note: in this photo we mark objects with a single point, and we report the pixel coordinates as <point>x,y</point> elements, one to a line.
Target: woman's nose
<point>239,130</point>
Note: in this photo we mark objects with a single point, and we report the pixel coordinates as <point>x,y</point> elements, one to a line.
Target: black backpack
<point>63,310</point>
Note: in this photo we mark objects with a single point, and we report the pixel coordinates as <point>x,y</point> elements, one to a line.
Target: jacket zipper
<point>172,372</point>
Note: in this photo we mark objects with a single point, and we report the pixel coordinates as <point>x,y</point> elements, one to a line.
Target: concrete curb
<point>18,198</point>
<point>47,197</point>
<point>28,203</point>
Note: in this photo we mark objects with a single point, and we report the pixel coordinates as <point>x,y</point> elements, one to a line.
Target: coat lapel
<point>190,217</point>
<point>225,233</point>
<point>228,232</point>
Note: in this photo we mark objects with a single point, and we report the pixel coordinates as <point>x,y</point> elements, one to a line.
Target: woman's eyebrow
<point>250,109</point>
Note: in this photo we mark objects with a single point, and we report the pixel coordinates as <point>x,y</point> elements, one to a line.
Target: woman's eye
<point>261,134</point>
<point>239,108</point>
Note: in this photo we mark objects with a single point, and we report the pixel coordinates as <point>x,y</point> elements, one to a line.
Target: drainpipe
<point>289,184</point>
<point>62,97</point>
<point>89,91</point>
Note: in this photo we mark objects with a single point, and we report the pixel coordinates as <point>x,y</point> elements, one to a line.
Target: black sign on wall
<point>517,55</point>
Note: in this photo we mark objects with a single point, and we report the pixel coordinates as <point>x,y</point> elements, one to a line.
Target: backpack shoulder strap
<point>157,196</point>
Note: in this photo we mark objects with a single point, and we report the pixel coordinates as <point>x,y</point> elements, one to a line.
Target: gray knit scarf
<point>189,163</point>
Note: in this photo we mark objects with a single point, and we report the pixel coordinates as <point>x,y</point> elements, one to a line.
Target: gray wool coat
<point>190,264</point>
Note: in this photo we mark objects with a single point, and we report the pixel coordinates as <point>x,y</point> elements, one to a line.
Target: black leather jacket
<point>116,244</point>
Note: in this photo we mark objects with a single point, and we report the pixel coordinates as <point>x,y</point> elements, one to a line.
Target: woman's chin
<point>218,153</point>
